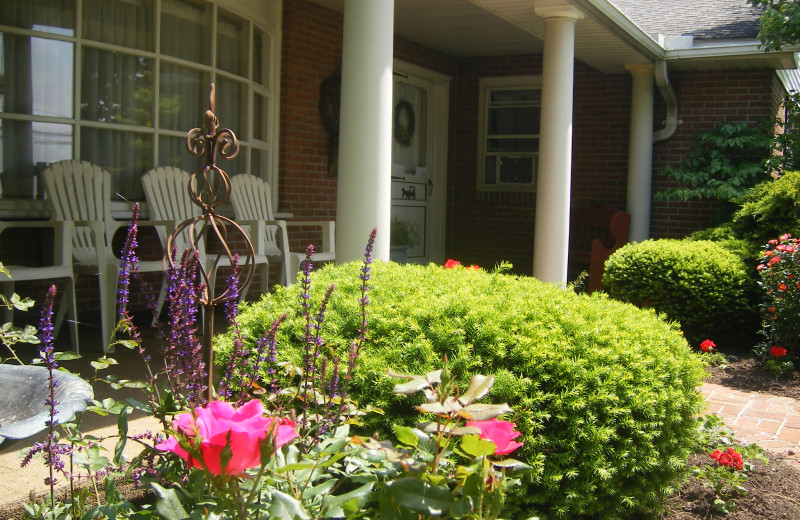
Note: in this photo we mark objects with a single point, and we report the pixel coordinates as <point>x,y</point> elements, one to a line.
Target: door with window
<point>419,137</point>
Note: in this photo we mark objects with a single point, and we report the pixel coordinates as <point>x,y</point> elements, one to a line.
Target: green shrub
<point>770,209</point>
<point>709,290</point>
<point>603,392</point>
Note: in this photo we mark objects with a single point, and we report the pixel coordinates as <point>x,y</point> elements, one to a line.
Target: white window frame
<point>487,85</point>
<point>247,142</point>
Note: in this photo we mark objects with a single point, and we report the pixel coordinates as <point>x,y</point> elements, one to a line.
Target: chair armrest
<point>328,231</point>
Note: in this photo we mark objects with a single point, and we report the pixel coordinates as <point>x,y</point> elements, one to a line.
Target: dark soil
<point>773,491</point>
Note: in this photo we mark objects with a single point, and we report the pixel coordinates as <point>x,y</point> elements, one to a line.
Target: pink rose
<point>215,423</point>
<point>500,433</point>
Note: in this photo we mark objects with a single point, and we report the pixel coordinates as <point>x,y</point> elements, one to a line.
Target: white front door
<point>419,161</point>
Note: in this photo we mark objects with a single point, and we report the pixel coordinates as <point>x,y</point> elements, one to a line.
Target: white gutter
<point>664,87</point>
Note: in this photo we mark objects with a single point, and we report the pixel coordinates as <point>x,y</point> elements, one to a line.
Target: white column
<point>640,152</point>
<point>551,239</point>
<point>365,129</point>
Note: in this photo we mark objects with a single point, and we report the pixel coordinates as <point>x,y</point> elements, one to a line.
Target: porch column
<point>365,129</point>
<point>551,239</point>
<point>640,152</point>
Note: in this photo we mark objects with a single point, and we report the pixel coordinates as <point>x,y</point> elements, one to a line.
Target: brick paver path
<point>770,421</point>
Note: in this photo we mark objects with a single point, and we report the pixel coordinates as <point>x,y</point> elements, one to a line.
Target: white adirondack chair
<point>167,192</point>
<point>252,203</point>
<point>61,268</point>
<point>80,193</point>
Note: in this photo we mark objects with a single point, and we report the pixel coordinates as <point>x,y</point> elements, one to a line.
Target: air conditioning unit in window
<point>516,169</point>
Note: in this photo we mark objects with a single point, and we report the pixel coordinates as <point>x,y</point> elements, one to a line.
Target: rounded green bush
<point>698,283</point>
<point>603,392</point>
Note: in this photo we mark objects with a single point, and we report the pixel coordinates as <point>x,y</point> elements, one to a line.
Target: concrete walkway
<point>769,421</point>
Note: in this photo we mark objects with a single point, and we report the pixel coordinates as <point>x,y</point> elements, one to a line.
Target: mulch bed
<point>773,490</point>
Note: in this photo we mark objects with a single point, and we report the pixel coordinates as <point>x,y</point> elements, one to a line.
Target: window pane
<point>126,155</point>
<point>259,164</point>
<point>172,152</point>
<point>54,16</point>
<point>26,148</point>
<point>260,118</point>
<point>116,88</point>
<point>231,96</point>
<point>185,27</point>
<point>183,97</point>
<point>231,44</point>
<point>513,145</point>
<point>513,121</point>
<point>38,76</point>
<point>260,57</point>
<point>122,22</point>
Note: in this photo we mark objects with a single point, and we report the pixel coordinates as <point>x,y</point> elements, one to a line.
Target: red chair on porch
<point>596,231</point>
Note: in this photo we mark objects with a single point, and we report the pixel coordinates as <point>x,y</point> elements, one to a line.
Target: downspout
<point>664,87</point>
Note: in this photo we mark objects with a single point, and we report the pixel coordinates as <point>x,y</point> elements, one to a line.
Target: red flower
<point>730,458</point>
<point>781,286</point>
<point>777,352</point>
<point>474,268</point>
<point>784,237</point>
<point>707,345</point>
<point>452,264</point>
<point>774,260</point>
<point>789,249</point>
<point>772,309</point>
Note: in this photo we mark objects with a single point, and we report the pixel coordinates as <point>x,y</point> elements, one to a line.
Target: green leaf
<point>67,355</point>
<point>168,505</point>
<point>122,427</point>
<point>479,386</point>
<point>405,435</point>
<point>420,496</point>
<point>285,507</point>
<point>338,506</point>
<point>477,447</point>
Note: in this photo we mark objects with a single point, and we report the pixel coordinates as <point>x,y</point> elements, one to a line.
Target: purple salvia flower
<point>51,450</point>
<point>232,301</point>
<point>129,264</point>
<point>355,347</point>
<point>183,353</point>
<point>268,352</point>
<point>333,382</point>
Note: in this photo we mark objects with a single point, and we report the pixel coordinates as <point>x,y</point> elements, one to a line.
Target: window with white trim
<point>508,138</point>
<point>119,83</point>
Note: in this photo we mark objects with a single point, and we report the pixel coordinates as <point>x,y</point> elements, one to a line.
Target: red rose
<point>707,345</point>
<point>777,352</point>
<point>730,458</point>
<point>452,264</point>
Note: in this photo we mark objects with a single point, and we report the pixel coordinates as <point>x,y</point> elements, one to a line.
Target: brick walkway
<point>770,421</point>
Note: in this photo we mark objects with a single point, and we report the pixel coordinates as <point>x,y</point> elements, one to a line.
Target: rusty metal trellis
<point>209,188</point>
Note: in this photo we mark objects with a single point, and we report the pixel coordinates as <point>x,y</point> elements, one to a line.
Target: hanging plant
<point>404,122</point>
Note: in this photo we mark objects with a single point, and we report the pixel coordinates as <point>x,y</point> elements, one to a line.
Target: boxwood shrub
<point>603,392</point>
<point>702,285</point>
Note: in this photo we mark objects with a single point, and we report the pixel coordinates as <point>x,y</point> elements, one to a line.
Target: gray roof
<point>702,19</point>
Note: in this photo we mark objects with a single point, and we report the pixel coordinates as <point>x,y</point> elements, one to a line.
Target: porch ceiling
<point>605,39</point>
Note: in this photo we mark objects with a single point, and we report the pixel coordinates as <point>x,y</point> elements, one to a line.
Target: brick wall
<point>704,100</point>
